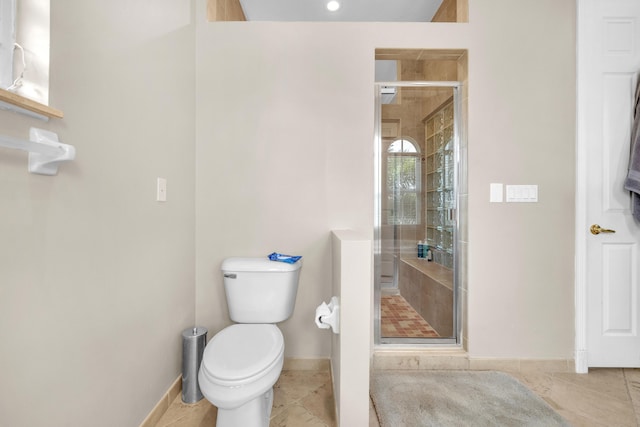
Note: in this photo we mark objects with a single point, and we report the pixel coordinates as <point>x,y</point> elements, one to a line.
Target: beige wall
<point>522,131</point>
<point>278,132</point>
<point>285,153</point>
<point>96,277</point>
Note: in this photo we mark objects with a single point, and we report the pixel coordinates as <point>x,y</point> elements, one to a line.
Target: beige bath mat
<point>457,398</point>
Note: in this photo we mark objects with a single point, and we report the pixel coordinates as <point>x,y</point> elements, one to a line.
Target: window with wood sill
<point>18,103</point>
<point>24,58</point>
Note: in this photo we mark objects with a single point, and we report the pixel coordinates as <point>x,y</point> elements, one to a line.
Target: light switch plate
<point>161,190</point>
<point>522,193</point>
<point>495,193</point>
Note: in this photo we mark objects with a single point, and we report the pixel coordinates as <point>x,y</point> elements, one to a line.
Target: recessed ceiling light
<point>333,5</point>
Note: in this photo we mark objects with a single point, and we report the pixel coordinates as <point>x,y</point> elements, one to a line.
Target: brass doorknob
<point>596,229</point>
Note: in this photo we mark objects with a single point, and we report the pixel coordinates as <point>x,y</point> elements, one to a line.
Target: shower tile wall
<point>428,288</point>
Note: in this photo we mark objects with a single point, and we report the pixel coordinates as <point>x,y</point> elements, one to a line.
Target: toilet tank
<point>259,290</point>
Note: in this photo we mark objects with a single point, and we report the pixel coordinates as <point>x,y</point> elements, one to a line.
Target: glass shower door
<point>417,140</point>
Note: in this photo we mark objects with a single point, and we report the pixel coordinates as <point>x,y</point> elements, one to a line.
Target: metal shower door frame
<point>380,342</point>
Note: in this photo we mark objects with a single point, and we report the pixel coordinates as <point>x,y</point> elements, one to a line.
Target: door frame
<point>580,350</point>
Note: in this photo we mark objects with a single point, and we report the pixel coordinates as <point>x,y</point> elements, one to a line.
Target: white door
<point>608,66</point>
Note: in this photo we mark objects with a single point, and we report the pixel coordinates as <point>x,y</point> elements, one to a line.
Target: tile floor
<point>398,319</point>
<point>604,397</point>
<point>302,398</point>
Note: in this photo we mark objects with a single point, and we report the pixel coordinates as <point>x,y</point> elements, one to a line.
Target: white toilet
<point>242,362</point>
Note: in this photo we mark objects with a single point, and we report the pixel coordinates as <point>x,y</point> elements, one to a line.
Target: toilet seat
<point>242,353</point>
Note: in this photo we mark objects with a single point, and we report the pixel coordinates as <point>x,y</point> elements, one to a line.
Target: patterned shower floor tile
<point>399,319</point>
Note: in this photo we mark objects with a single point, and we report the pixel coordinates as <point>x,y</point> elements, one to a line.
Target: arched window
<point>403,182</point>
<point>403,145</point>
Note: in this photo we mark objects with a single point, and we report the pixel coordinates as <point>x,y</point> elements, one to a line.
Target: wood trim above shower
<point>225,10</point>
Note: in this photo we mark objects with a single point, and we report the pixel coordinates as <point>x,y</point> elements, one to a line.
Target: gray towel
<point>632,183</point>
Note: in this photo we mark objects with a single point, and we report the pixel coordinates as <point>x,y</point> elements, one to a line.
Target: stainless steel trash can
<point>193,343</point>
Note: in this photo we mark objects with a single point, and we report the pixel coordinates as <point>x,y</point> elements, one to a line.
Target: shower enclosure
<point>417,151</point>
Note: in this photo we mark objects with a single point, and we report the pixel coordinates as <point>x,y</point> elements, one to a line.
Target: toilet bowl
<point>239,367</point>
<point>243,361</point>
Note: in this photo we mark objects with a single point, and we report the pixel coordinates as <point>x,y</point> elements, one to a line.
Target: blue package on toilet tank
<point>289,259</point>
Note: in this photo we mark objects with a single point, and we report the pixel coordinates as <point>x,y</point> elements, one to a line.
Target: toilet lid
<point>242,351</point>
